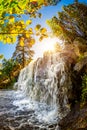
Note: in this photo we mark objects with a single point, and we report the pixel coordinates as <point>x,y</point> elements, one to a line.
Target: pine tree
<point>23,52</point>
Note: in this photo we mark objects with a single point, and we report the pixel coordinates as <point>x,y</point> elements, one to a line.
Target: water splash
<point>44,85</point>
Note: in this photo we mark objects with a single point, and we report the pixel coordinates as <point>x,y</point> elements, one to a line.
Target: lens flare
<point>49,44</point>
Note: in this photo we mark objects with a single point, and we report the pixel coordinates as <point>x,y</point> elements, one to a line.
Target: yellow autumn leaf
<point>22,22</point>
<point>41,38</point>
<point>1,21</point>
<point>21,43</point>
<point>10,11</point>
<point>38,26</point>
<point>28,22</point>
<point>27,35</point>
<point>43,30</point>
<point>40,1</point>
<point>14,39</point>
<point>8,40</point>
<point>0,37</point>
<point>30,31</point>
<point>32,41</point>
<point>33,0</point>
<point>18,27</point>
<point>11,19</point>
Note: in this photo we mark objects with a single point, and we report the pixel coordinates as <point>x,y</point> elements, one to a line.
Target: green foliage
<point>11,12</point>
<point>7,67</point>
<point>71,23</point>
<point>84,88</point>
<point>9,71</point>
<point>23,53</point>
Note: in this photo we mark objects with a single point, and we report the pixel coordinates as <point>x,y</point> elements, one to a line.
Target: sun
<point>47,44</point>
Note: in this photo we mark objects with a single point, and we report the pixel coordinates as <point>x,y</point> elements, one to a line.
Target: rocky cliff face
<point>75,120</point>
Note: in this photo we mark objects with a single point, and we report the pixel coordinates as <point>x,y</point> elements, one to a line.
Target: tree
<point>23,53</point>
<point>9,72</point>
<point>71,23</point>
<point>7,68</point>
<point>11,12</point>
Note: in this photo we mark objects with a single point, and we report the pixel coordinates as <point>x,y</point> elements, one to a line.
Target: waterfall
<point>47,81</point>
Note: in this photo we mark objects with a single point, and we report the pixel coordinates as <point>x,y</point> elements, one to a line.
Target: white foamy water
<point>43,113</point>
<point>43,87</point>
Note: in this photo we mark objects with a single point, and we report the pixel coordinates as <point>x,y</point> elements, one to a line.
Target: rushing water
<point>20,113</point>
<point>41,98</point>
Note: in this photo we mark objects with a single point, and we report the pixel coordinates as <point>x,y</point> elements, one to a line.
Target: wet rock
<point>75,120</point>
<point>82,63</point>
<point>24,127</point>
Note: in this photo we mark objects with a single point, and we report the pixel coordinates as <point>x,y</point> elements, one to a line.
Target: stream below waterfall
<point>20,113</point>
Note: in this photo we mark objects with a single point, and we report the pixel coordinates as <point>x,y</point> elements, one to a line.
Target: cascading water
<point>44,85</point>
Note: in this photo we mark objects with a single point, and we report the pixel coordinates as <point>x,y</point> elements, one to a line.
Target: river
<point>19,113</point>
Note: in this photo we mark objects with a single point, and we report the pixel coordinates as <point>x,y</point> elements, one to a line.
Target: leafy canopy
<point>71,23</point>
<point>11,21</point>
<point>7,67</point>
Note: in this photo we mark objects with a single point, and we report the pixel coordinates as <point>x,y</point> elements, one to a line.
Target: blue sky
<point>47,13</point>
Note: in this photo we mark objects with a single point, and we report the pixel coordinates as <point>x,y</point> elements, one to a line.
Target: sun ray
<point>47,44</point>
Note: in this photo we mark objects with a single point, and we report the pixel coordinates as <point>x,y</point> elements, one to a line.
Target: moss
<point>84,88</point>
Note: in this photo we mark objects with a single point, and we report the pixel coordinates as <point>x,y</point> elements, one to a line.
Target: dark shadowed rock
<point>75,120</point>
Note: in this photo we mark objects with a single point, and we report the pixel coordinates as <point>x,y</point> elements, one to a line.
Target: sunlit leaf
<point>33,0</point>
<point>41,2</point>
<point>8,40</point>
<point>11,19</point>
<point>43,30</point>
<point>38,26</point>
<point>32,41</point>
<point>28,22</point>
<point>27,35</point>
<point>21,43</point>
<point>0,37</point>
<point>30,31</point>
<point>41,38</point>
